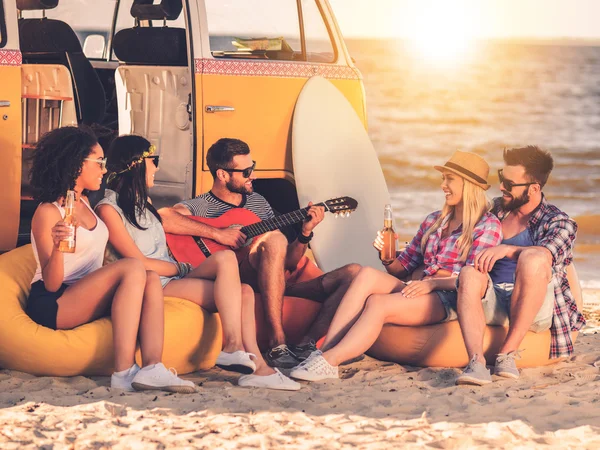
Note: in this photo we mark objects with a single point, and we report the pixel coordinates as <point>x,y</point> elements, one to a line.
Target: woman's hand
<point>61,231</point>
<point>415,288</point>
<point>378,242</point>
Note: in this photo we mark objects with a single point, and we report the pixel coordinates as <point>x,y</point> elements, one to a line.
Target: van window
<point>255,29</point>
<point>316,34</point>
<point>3,35</point>
<point>90,19</point>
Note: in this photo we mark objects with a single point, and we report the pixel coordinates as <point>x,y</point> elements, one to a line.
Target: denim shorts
<point>496,305</point>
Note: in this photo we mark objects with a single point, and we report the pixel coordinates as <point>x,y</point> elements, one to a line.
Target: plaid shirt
<point>552,229</point>
<point>442,253</point>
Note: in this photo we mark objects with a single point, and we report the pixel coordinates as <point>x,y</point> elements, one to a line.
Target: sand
<point>375,405</point>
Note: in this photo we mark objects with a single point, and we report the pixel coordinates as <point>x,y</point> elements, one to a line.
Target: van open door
<point>10,125</point>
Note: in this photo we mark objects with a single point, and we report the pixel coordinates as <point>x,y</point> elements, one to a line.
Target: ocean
<point>505,95</point>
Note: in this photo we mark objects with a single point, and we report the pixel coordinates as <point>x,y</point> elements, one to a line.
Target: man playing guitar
<point>269,255</point>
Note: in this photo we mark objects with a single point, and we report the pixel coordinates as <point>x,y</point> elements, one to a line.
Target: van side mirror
<point>93,46</point>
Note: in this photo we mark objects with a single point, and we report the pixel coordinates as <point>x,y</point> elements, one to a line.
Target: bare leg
<point>471,290</point>
<point>368,281</point>
<point>382,309</point>
<point>534,272</point>
<point>224,294</point>
<point>334,284</point>
<point>249,332</point>
<point>152,323</point>
<point>123,282</point>
<point>268,259</point>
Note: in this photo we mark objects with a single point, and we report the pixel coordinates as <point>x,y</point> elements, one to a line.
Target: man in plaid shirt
<point>523,281</point>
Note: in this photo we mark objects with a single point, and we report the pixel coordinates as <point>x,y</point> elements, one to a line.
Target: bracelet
<point>183,268</point>
<point>305,239</point>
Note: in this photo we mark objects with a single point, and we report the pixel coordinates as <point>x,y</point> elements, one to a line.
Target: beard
<point>239,188</point>
<point>516,202</point>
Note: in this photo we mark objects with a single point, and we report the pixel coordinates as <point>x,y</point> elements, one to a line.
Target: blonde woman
<point>446,241</point>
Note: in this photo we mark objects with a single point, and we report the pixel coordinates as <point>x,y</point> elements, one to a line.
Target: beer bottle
<point>68,245</point>
<point>388,252</point>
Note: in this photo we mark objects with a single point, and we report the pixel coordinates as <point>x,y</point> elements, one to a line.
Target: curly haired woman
<point>71,289</point>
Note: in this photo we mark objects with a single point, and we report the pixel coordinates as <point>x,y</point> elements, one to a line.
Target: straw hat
<point>469,166</point>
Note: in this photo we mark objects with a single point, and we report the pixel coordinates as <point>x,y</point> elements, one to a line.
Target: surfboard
<point>333,156</point>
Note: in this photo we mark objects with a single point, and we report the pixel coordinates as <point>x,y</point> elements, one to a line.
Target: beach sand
<point>375,405</point>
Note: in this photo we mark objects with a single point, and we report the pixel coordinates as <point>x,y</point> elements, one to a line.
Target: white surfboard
<point>333,156</point>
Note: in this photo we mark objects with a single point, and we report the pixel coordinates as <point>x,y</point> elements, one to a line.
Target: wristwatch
<point>305,239</point>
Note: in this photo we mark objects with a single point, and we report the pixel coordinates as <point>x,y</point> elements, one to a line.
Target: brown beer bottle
<point>68,245</point>
<point>388,252</point>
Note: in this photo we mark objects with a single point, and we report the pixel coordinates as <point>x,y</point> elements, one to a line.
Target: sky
<point>545,19</point>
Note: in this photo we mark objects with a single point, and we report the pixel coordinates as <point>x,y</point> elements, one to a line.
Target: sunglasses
<point>154,160</point>
<point>508,185</point>
<point>101,162</point>
<point>245,172</point>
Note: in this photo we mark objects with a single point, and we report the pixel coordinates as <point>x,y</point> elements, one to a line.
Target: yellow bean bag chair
<point>442,345</point>
<point>192,335</point>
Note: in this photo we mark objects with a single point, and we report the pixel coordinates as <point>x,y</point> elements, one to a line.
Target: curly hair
<point>57,161</point>
<point>129,180</point>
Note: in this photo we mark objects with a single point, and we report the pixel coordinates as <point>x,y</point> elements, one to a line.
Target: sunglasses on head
<point>101,162</point>
<point>508,185</point>
<point>154,160</point>
<point>245,172</point>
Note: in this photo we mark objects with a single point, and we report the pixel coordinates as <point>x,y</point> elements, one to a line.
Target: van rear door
<point>10,125</point>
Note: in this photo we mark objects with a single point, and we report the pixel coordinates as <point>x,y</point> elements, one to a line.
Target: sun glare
<point>442,32</point>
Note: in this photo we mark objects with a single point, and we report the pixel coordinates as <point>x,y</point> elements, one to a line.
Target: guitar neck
<point>276,223</point>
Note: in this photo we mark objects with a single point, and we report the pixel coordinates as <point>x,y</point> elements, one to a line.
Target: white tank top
<point>89,252</point>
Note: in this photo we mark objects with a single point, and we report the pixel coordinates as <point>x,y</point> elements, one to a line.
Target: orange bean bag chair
<point>442,345</point>
<point>439,345</point>
<point>192,335</point>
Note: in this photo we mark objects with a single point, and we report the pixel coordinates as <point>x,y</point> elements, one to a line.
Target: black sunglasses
<point>508,185</point>
<point>245,172</point>
<point>154,160</point>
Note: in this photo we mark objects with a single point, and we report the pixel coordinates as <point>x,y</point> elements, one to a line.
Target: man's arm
<point>296,249</point>
<point>175,222</point>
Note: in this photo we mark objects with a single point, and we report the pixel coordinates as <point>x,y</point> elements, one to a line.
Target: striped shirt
<point>210,206</point>
<point>442,253</point>
<point>552,229</point>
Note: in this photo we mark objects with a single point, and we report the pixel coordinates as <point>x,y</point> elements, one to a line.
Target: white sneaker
<point>158,378</point>
<point>276,381</point>
<point>238,361</point>
<point>315,368</point>
<point>120,380</point>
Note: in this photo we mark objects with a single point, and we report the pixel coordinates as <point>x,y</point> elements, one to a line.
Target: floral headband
<point>133,163</point>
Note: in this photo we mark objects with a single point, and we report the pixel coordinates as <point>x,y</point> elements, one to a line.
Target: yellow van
<point>182,73</point>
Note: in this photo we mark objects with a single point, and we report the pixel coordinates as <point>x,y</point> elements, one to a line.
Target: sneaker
<point>122,380</point>
<point>158,378</point>
<point>506,366</point>
<point>276,381</point>
<point>238,361</point>
<point>281,357</point>
<point>315,368</point>
<point>303,351</point>
<point>475,373</point>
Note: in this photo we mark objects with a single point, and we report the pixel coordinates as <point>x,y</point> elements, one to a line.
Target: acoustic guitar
<point>195,250</point>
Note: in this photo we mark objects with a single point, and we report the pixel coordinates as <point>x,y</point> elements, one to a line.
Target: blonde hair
<point>475,205</point>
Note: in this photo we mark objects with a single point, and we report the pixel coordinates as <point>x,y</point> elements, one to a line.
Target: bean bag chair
<point>192,335</point>
<point>442,345</point>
